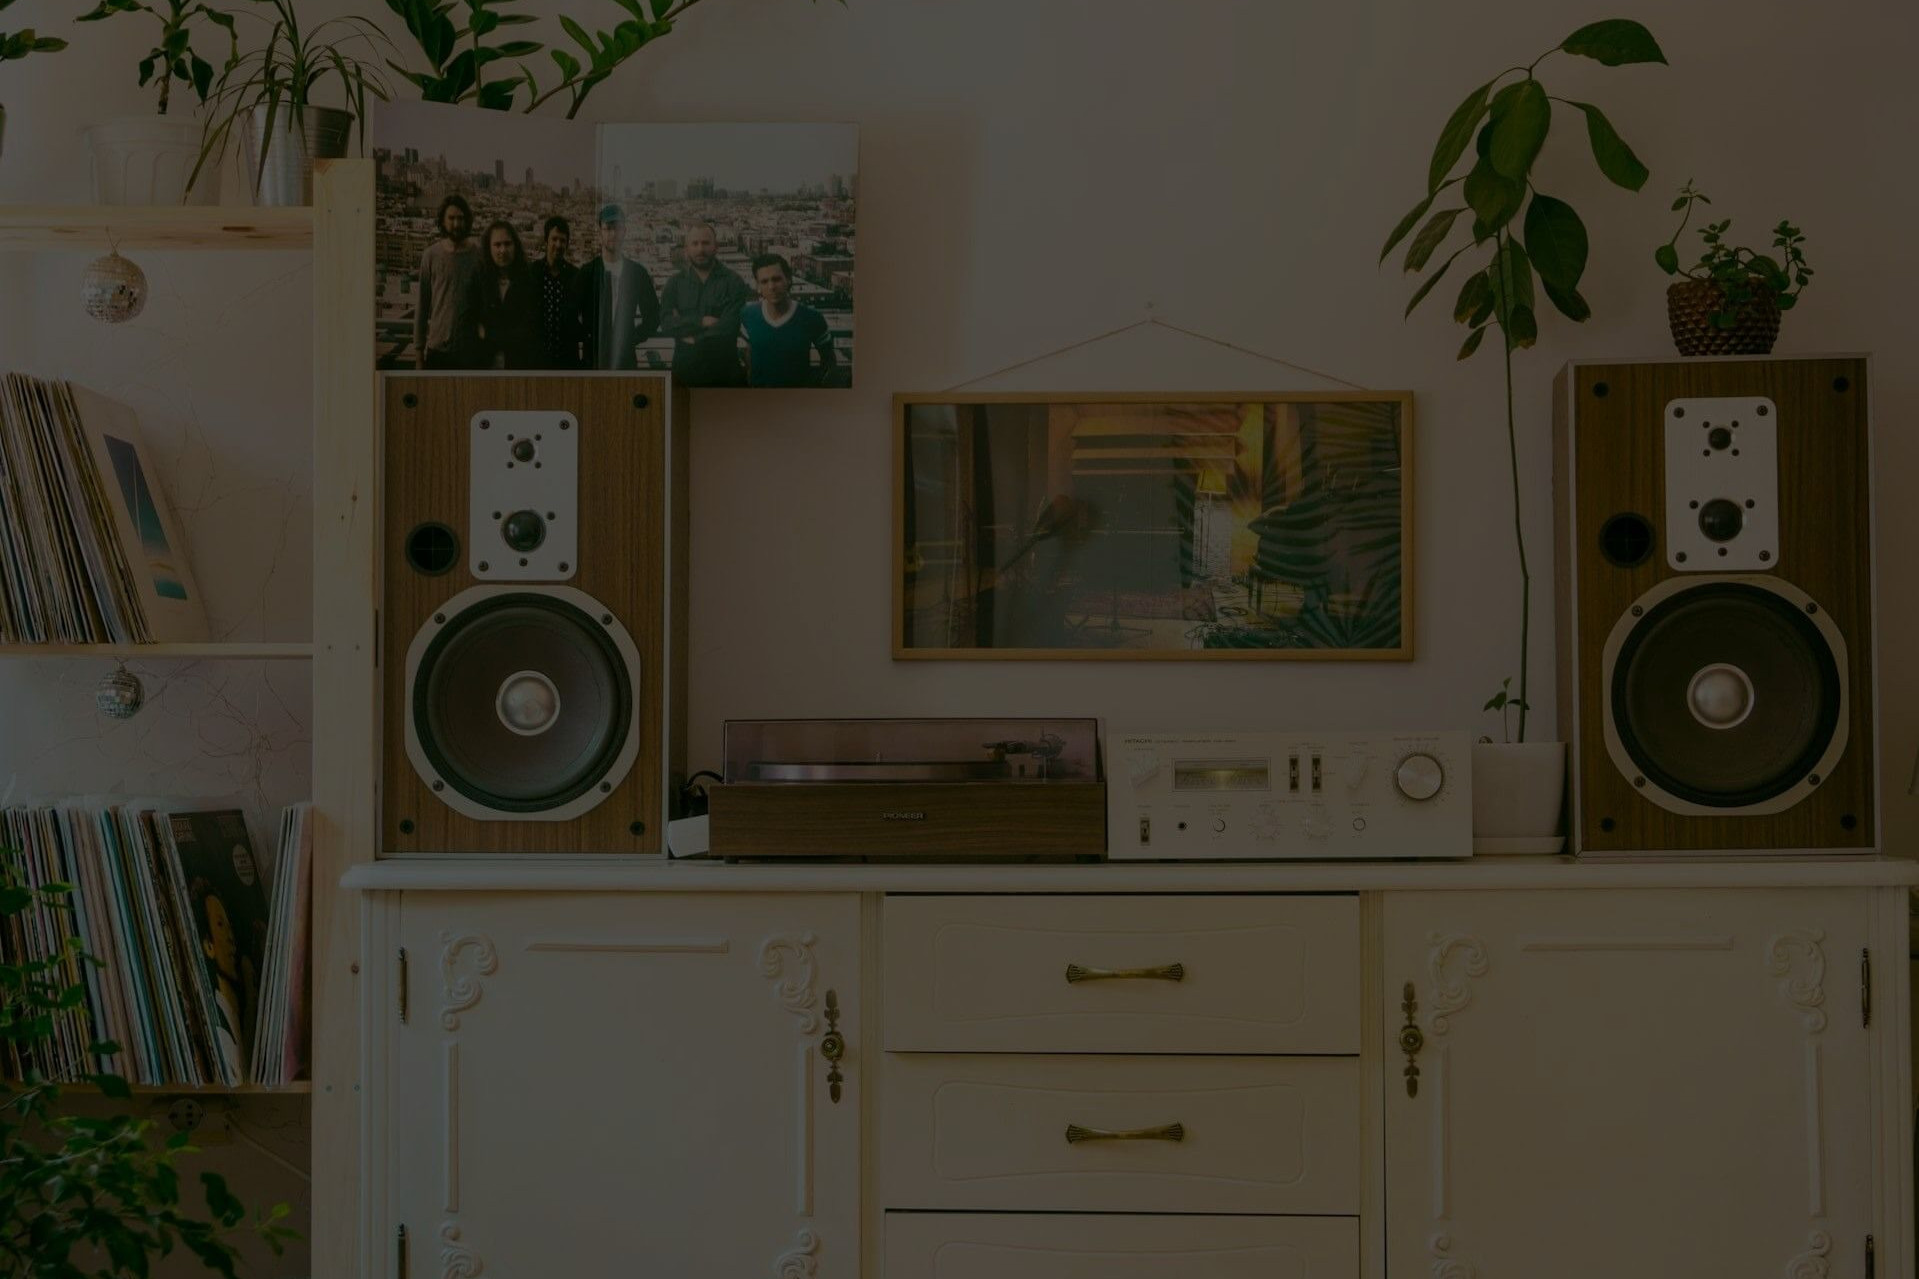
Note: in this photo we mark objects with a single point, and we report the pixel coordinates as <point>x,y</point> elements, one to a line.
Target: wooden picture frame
<point>1206,526</point>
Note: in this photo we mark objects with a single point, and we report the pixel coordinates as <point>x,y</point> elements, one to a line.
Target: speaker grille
<point>522,702</point>
<point>1725,695</point>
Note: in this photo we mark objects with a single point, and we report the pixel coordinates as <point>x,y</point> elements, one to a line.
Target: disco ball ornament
<point>120,694</point>
<point>114,289</point>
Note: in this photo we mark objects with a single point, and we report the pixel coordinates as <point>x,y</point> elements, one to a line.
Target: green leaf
<point>519,48</point>
<point>112,1086</point>
<point>569,65</point>
<point>1420,251</point>
<point>1614,43</point>
<point>1521,118</point>
<point>1471,344</point>
<point>1668,259</point>
<point>1431,280</point>
<point>1568,302</point>
<point>1556,241</point>
<point>579,35</point>
<point>1407,223</point>
<point>1474,294</point>
<point>1616,160</point>
<point>1493,198</point>
<point>1522,326</point>
<point>1453,138</point>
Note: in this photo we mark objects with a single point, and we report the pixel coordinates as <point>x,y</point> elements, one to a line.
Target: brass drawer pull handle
<point>1165,972</point>
<point>1076,1133</point>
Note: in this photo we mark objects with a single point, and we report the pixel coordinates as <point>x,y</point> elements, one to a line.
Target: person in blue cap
<point>618,307</point>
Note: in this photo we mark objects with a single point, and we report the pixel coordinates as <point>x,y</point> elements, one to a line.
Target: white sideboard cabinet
<point>615,1084</point>
<point>1496,1070</point>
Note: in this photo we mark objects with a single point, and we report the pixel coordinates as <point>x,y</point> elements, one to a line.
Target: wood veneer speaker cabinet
<point>1661,609</point>
<point>532,706</point>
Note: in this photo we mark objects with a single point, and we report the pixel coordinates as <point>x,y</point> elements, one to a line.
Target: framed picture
<point>1196,527</point>
<point>723,252</point>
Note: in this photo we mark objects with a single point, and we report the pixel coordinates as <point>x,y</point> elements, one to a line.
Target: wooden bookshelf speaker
<point>1714,555</point>
<point>532,642</point>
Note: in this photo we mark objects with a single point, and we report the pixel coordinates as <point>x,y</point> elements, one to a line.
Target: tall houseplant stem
<point>1519,524</point>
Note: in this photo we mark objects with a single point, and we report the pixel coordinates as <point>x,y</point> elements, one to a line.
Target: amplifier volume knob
<point>1419,776</point>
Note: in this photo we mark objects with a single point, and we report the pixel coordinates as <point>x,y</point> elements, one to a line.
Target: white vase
<point>147,159</point>
<point>1518,792</point>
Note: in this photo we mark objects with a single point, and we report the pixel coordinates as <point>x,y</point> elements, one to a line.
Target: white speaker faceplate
<point>523,479</point>
<point>1722,484</point>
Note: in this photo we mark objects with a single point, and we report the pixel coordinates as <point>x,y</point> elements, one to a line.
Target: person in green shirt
<point>700,310</point>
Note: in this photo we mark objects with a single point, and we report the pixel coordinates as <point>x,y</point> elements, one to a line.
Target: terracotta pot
<point>147,159</point>
<point>1518,792</point>
<point>1690,305</point>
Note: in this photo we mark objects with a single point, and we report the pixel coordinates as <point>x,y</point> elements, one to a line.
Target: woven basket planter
<point>1689,308</point>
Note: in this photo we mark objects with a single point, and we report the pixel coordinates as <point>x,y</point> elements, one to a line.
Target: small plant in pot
<point>149,159</point>
<point>1524,234</point>
<point>15,45</point>
<point>1730,301</point>
<point>269,95</point>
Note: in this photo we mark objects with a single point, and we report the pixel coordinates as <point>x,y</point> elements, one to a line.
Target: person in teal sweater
<point>782,335</point>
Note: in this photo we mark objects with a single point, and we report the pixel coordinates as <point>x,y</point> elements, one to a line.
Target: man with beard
<point>618,306</point>
<point>559,284</point>
<point>446,320</point>
<point>701,313</point>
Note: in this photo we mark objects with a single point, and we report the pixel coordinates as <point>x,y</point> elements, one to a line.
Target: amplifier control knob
<point>1420,776</point>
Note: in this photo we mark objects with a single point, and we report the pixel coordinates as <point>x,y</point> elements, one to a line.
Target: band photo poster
<point>720,252</point>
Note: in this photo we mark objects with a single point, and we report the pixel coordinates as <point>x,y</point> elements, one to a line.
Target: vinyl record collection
<point>88,550</point>
<point>200,981</point>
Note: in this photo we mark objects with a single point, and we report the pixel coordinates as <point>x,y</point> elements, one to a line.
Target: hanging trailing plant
<point>1523,233</point>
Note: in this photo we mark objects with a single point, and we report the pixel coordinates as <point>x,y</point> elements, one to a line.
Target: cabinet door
<point>626,1084</point>
<point>1658,1084</point>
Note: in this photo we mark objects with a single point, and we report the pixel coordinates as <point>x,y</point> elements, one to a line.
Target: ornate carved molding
<point>1799,958</point>
<point>1446,1266</point>
<point>462,990</point>
<point>457,1261</point>
<point>787,960</point>
<point>1811,1264</point>
<point>801,1261</point>
<point>1451,994</point>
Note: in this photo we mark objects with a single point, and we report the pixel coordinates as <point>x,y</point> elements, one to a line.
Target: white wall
<point>1037,171</point>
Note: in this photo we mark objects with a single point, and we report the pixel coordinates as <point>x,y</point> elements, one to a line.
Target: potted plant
<point>15,45</point>
<point>457,57</point>
<point>1729,302</point>
<point>269,94</point>
<point>148,159</point>
<point>80,1194</point>
<point>1523,233</point>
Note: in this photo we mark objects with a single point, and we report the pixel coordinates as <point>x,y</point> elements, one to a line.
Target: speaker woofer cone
<point>1725,695</point>
<point>522,702</point>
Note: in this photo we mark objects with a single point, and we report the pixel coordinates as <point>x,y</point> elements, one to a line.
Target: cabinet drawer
<point>991,1131</point>
<point>1006,1246</point>
<point>1218,974</point>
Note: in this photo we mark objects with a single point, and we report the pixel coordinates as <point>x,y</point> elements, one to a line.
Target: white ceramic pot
<point>147,159</point>
<point>1518,792</point>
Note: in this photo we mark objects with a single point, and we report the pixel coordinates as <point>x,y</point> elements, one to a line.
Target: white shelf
<point>236,651</point>
<point>80,227</point>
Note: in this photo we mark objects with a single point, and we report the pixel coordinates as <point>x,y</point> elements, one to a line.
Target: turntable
<point>929,789</point>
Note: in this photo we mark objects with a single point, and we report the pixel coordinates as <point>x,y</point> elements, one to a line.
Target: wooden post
<point>346,519</point>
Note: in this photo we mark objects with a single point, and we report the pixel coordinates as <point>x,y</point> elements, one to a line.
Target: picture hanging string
<point>1154,321</point>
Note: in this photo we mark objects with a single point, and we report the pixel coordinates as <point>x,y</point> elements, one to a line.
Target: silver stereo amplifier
<point>1198,796</point>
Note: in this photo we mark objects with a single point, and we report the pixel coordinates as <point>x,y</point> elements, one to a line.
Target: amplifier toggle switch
<point>1419,776</point>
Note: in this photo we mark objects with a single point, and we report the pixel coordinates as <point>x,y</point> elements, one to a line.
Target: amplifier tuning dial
<point>1419,776</point>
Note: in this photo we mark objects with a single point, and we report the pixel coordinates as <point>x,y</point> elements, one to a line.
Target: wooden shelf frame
<point>97,227</point>
<point>298,1088</point>
<point>229,651</point>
